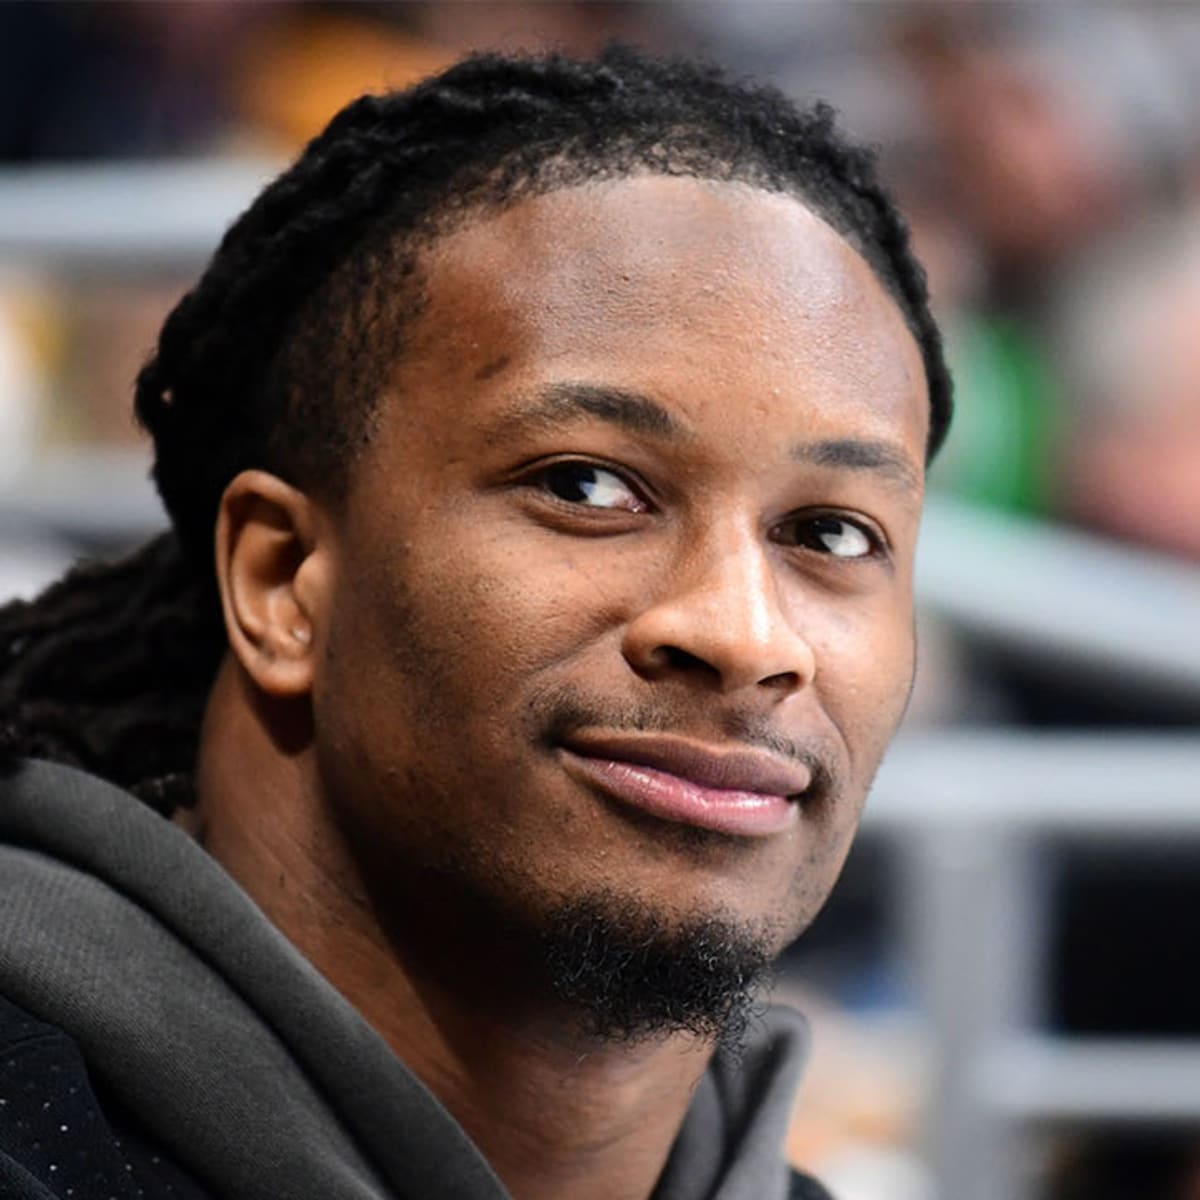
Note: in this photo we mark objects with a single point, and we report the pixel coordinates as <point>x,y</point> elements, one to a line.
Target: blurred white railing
<point>968,815</point>
<point>117,214</point>
<point>1063,593</point>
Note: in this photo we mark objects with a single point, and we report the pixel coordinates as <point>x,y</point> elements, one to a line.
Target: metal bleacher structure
<point>967,812</point>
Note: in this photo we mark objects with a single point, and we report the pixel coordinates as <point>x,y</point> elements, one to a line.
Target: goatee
<point>632,975</point>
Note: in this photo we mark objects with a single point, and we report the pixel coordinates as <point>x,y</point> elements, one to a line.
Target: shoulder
<point>56,1139</point>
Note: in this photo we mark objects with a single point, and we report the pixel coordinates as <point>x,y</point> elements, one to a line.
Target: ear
<point>272,570</point>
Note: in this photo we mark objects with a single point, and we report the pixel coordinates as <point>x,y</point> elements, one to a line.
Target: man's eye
<point>591,486</point>
<point>833,535</point>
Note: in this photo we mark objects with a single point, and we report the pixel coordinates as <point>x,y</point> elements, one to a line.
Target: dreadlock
<point>276,358</point>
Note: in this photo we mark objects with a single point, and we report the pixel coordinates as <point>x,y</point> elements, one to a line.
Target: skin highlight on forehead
<point>622,233</point>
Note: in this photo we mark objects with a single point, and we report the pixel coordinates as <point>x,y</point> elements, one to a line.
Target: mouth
<point>740,792</point>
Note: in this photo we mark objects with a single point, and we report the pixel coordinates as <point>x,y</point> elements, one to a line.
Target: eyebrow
<point>560,404</point>
<point>854,454</point>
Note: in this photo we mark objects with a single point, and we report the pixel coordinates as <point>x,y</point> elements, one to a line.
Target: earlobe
<point>271,573</point>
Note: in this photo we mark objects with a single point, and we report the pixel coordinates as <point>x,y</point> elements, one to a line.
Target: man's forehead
<point>624,255</point>
<point>675,289</point>
<point>629,226</point>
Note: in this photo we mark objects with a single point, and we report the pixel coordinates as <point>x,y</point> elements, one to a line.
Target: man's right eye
<point>590,486</point>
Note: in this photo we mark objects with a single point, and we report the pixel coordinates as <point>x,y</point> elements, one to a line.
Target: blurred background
<point>1005,990</point>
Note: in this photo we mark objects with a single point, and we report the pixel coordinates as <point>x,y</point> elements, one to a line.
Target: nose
<point>719,619</point>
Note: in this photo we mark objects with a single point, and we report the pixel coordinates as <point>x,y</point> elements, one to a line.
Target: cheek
<point>462,634</point>
<point>865,663</point>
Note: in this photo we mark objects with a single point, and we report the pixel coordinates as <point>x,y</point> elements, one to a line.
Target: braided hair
<point>277,357</point>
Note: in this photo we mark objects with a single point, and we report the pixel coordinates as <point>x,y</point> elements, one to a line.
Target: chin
<point>633,970</point>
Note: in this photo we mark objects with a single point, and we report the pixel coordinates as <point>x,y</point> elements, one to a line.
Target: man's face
<point>622,588</point>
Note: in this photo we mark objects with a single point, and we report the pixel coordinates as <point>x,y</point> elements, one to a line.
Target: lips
<point>741,792</point>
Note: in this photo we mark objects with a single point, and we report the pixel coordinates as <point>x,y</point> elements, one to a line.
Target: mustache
<point>558,713</point>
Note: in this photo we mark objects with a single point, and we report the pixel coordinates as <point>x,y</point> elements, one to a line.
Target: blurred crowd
<point>1048,159</point>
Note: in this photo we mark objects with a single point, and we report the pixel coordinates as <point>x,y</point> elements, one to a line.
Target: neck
<point>554,1111</point>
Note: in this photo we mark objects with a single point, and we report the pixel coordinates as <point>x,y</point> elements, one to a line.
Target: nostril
<point>669,659</point>
<point>678,659</point>
<point>785,681</point>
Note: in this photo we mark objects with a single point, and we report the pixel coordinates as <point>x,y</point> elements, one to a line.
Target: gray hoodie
<point>241,1060</point>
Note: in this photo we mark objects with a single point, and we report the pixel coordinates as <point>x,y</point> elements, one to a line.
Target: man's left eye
<point>590,486</point>
<point>833,535</point>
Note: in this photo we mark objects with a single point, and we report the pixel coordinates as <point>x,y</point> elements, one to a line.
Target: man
<point>544,452</point>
